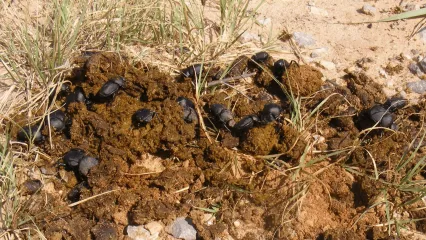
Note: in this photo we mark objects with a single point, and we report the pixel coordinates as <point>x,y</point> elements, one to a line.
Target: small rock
<point>415,69</point>
<point>154,228</point>
<point>417,87</point>
<point>209,219</point>
<point>138,233</point>
<point>237,223</point>
<point>303,39</point>
<point>368,9</point>
<point>327,65</point>
<point>318,11</point>
<point>183,228</point>
<point>32,186</point>
<point>382,73</point>
<point>264,21</point>
<point>422,34</point>
<point>318,52</point>
<point>249,37</point>
<point>422,64</point>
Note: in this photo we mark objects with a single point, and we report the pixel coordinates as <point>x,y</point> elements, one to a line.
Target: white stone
<point>237,223</point>
<point>417,87</point>
<point>249,37</point>
<point>319,52</point>
<point>303,39</point>
<point>264,21</point>
<point>368,9</point>
<point>154,228</point>
<point>327,65</point>
<point>138,233</point>
<point>209,219</point>
<point>181,228</point>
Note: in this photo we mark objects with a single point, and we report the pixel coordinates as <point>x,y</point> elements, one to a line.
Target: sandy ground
<point>328,22</point>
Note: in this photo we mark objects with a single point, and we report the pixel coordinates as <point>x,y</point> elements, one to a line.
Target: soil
<point>168,168</point>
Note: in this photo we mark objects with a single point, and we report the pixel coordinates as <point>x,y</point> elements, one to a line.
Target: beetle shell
<point>280,67</point>
<point>111,87</point>
<point>192,71</point>
<point>380,115</point>
<point>270,112</point>
<point>57,120</point>
<point>77,96</point>
<point>246,122</point>
<point>222,113</point>
<point>143,116</point>
<point>189,115</point>
<point>395,103</point>
<point>86,164</point>
<point>185,102</point>
<point>260,57</point>
<point>73,157</point>
<point>28,133</point>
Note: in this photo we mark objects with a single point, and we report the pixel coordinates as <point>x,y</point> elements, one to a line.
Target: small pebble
<point>86,164</point>
<point>327,65</point>
<point>422,64</point>
<point>32,186</point>
<point>303,39</point>
<point>417,87</point>
<point>138,233</point>
<point>319,52</point>
<point>422,34</point>
<point>264,21</point>
<point>183,228</point>
<point>237,223</point>
<point>249,37</point>
<point>368,9</point>
<point>415,69</point>
<point>154,228</point>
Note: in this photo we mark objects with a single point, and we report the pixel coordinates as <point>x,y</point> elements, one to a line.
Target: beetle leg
<point>293,62</point>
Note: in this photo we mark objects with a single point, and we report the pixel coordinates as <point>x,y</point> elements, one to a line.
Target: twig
<point>92,197</point>
<point>202,125</point>
<point>217,82</point>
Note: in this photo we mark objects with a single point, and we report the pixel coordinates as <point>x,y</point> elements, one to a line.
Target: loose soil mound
<point>168,168</point>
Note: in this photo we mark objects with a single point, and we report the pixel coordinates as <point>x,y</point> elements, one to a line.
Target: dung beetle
<point>77,96</point>
<point>280,67</point>
<point>86,164</point>
<point>380,115</point>
<point>28,133</point>
<point>143,116</point>
<point>73,157</point>
<point>260,57</point>
<point>395,103</point>
<point>270,112</point>
<point>223,114</point>
<point>57,120</point>
<point>246,122</point>
<point>185,102</point>
<point>192,71</point>
<point>110,88</point>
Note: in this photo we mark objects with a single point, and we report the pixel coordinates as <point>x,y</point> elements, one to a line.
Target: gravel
<point>183,228</point>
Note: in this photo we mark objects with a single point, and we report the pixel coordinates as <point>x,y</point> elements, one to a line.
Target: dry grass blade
<point>92,197</point>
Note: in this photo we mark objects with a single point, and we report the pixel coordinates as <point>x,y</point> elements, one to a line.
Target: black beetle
<point>111,87</point>
<point>77,96</point>
<point>143,116</point>
<point>260,57</point>
<point>74,194</point>
<point>73,157</point>
<point>246,122</point>
<point>223,114</point>
<point>28,133</point>
<point>185,102</point>
<point>270,112</point>
<point>86,164</point>
<point>57,120</point>
<point>395,103</point>
<point>280,67</point>
<point>381,116</point>
<point>192,71</point>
